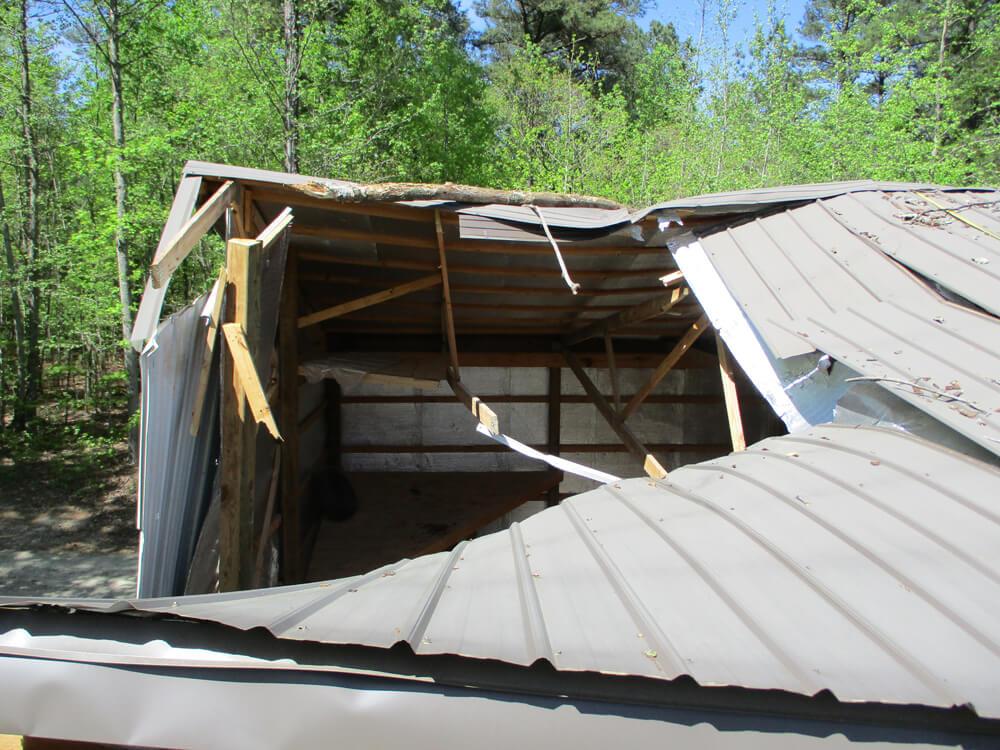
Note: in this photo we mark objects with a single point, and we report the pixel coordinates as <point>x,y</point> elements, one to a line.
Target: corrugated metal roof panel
<point>749,201</point>
<point>856,560</point>
<point>825,276</point>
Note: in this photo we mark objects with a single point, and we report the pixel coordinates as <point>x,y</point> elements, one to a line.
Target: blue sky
<point>686,16</point>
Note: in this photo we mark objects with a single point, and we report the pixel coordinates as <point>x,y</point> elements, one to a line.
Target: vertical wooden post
<point>288,385</point>
<point>239,430</point>
<point>732,399</point>
<point>554,424</point>
<point>609,349</point>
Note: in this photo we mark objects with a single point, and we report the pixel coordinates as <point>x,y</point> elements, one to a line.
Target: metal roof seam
<point>531,609</point>
<point>821,248</point>
<point>868,629</point>
<point>743,615</point>
<point>418,632</point>
<point>349,585</point>
<point>959,309</point>
<point>650,631</point>
<point>903,469</point>
<point>908,230</point>
<point>919,528</point>
<point>908,581</point>
<point>790,260</point>
<point>760,275</point>
<point>916,345</point>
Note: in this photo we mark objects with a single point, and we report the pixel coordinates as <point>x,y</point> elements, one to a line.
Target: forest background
<point>102,102</point>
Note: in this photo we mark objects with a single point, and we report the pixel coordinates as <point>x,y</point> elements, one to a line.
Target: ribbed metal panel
<point>840,276</point>
<point>856,560</point>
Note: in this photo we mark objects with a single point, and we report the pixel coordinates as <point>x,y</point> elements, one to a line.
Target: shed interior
<point>385,333</point>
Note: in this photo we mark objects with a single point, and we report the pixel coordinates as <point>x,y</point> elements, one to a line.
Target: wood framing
<point>167,259</point>
<point>419,265</point>
<point>609,349</point>
<point>292,566</point>
<point>239,430</point>
<point>486,416</point>
<point>246,371</point>
<point>731,396</point>
<point>649,462</point>
<point>665,366</point>
<point>630,316</point>
<point>272,232</point>
<point>449,319</point>
<point>424,282</point>
<point>554,424</point>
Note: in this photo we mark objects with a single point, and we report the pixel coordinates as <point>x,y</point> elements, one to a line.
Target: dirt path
<point>67,518</point>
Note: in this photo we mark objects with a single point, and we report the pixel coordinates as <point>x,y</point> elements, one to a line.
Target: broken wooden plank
<point>486,416</point>
<point>650,464</point>
<point>273,231</point>
<point>630,316</point>
<point>554,424</point>
<point>424,282</point>
<point>250,383</point>
<point>731,396</point>
<point>449,319</point>
<point>167,259</point>
<point>666,366</point>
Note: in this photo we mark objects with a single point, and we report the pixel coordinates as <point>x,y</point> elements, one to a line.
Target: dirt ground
<point>67,517</point>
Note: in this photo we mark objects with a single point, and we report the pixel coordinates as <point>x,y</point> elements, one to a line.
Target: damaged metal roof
<point>859,561</point>
<point>844,276</point>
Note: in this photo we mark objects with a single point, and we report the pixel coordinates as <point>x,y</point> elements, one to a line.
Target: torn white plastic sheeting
<point>803,390</point>
<point>555,461</point>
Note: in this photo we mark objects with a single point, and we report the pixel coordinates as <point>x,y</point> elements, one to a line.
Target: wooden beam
<point>624,360</point>
<point>486,416</point>
<point>731,396</point>
<point>288,413</point>
<point>449,319</point>
<point>424,282</point>
<point>273,231</point>
<point>649,463</point>
<point>472,245</point>
<point>544,291</point>
<point>250,384</point>
<point>666,365</point>
<point>715,449</point>
<point>211,336</point>
<point>167,259</point>
<point>489,271</point>
<point>554,424</point>
<point>239,431</point>
<point>609,349</point>
<point>507,398</point>
<point>628,317</point>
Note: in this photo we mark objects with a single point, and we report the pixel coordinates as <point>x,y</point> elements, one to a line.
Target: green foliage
<point>566,95</point>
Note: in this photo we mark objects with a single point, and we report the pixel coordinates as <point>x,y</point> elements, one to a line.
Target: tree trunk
<point>291,113</point>
<point>20,345</point>
<point>121,198</point>
<point>26,408</point>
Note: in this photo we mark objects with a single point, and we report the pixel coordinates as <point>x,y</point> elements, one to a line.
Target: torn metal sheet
<point>555,461</point>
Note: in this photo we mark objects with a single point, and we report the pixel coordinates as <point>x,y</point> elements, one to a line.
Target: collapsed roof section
<point>857,561</point>
<point>900,288</point>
